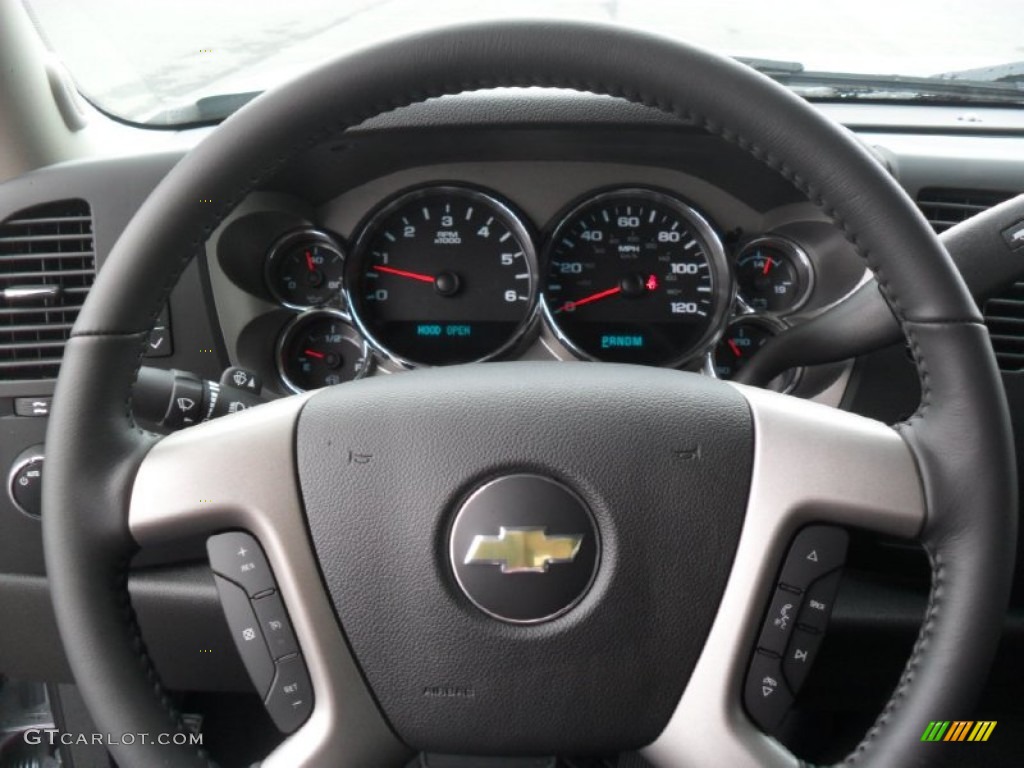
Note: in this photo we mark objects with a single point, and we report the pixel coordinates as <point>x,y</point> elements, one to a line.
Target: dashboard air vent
<point>47,264</point>
<point>1004,317</point>
<point>1004,314</point>
<point>945,207</point>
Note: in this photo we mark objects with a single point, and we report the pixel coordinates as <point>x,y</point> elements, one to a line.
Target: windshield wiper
<point>205,111</point>
<point>771,66</point>
<point>1011,72</point>
<point>832,85</point>
<point>994,84</point>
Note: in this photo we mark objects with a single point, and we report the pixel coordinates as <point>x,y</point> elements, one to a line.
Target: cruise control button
<point>291,697</point>
<point>779,622</point>
<point>237,556</point>
<point>816,550</point>
<point>765,694</point>
<point>245,630</point>
<point>818,602</point>
<point>276,628</point>
<point>799,656</point>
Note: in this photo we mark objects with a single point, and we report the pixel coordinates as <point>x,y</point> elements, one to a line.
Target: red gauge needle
<point>313,353</point>
<point>403,273</point>
<point>735,348</point>
<point>309,262</point>
<point>571,305</point>
<point>768,264</point>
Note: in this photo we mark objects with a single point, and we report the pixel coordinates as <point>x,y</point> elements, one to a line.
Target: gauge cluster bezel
<point>539,335</point>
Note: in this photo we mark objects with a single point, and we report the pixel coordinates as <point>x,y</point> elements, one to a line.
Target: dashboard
<point>476,261</point>
<point>499,226</point>
<point>549,164</point>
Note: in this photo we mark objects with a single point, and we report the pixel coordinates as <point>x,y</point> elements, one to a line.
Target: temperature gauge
<point>740,343</point>
<point>305,269</point>
<point>320,348</point>
<point>773,275</point>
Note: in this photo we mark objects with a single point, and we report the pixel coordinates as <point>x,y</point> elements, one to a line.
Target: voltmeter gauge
<point>773,275</point>
<point>320,348</point>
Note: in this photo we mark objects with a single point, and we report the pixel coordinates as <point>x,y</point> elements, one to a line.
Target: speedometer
<point>443,275</point>
<point>635,276</point>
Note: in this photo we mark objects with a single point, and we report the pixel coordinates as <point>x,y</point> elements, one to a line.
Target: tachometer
<point>443,275</point>
<point>635,276</point>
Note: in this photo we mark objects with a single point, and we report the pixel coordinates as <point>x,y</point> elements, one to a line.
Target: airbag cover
<point>662,460</point>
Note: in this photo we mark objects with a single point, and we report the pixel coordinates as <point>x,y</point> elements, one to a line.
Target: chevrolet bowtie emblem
<point>523,550</point>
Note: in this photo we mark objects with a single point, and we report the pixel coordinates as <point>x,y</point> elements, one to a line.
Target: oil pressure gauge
<point>741,341</point>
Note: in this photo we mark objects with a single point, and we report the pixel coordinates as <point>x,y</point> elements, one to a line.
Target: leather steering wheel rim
<point>959,437</point>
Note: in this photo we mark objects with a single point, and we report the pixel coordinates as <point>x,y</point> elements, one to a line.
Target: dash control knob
<point>25,481</point>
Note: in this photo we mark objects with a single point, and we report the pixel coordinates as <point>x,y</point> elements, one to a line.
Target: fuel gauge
<point>773,275</point>
<point>320,348</point>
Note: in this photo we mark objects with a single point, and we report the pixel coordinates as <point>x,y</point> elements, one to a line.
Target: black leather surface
<point>964,446</point>
<point>860,323</point>
<point>504,108</point>
<point>863,322</point>
<point>606,676</point>
<point>87,547</point>
<point>177,608</point>
<point>987,261</point>
<point>249,235</point>
<point>85,493</point>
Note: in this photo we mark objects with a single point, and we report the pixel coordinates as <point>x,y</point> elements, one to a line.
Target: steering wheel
<point>693,489</point>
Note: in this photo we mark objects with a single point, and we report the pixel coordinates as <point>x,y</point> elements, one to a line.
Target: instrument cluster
<point>452,273</point>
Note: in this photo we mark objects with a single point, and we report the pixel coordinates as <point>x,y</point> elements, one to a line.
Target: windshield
<point>181,61</point>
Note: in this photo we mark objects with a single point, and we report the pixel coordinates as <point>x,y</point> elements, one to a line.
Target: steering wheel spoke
<point>812,464</point>
<point>234,472</point>
<point>239,473</point>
